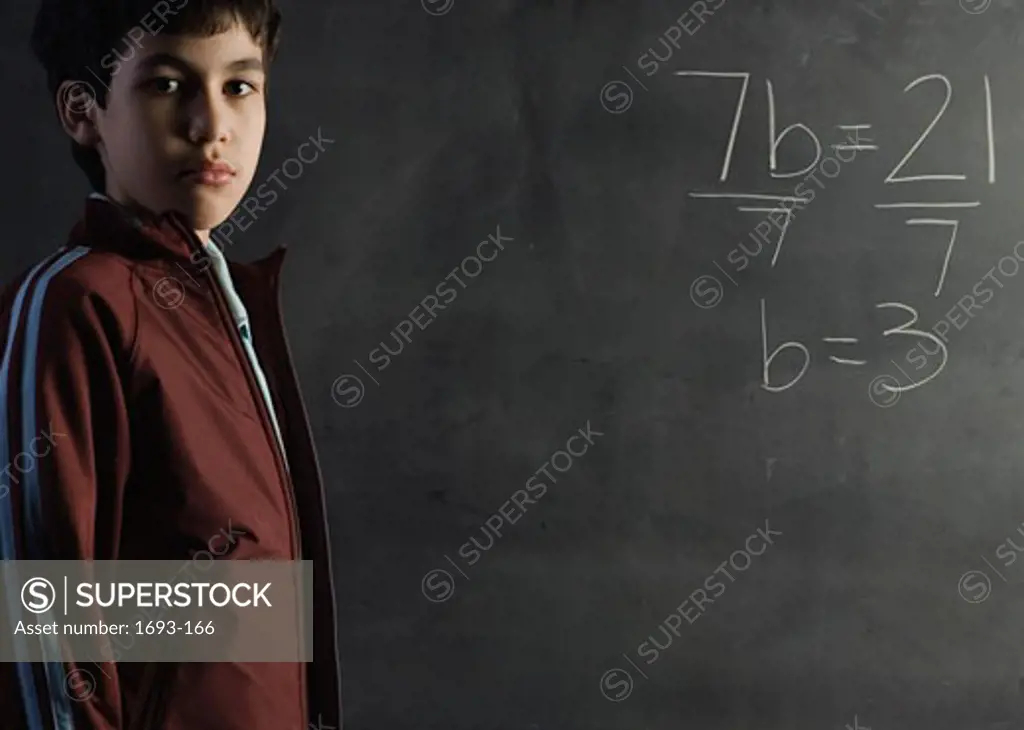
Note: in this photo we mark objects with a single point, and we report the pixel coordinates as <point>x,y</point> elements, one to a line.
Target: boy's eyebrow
<point>246,64</point>
<point>169,59</point>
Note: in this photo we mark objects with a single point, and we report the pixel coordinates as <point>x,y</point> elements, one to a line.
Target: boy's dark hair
<point>87,40</point>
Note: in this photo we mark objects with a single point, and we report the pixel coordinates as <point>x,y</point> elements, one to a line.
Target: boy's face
<point>181,102</point>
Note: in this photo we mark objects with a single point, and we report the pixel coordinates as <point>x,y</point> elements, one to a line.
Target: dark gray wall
<point>863,611</point>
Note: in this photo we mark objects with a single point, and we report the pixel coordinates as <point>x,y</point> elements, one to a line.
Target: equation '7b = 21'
<point>843,343</point>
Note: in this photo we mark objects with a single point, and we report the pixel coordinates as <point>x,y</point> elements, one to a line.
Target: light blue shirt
<point>241,317</point>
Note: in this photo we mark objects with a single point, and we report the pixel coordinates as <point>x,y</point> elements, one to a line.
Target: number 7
<point>739,109</point>
<point>955,225</point>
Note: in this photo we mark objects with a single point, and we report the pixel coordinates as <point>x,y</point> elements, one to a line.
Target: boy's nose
<point>208,121</point>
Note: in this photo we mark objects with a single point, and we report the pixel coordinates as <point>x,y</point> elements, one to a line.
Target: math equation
<point>778,211</point>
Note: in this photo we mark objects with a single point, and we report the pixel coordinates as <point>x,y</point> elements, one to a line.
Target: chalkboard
<point>664,359</point>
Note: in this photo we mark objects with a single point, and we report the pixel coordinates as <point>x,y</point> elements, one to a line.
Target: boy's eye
<point>241,88</point>
<point>164,85</point>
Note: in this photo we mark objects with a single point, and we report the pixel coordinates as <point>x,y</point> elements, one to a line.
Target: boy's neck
<point>141,213</point>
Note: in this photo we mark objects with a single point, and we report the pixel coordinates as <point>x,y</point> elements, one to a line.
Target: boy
<point>150,405</point>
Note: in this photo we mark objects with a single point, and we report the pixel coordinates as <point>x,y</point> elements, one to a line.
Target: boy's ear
<point>76,108</point>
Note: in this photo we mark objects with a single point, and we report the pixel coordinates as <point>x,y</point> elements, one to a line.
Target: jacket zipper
<point>268,428</point>
<point>255,392</point>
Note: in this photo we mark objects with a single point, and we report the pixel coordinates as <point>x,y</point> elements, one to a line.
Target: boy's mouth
<point>210,172</point>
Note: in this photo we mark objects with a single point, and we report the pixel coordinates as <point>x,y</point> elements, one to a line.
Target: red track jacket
<point>135,429</point>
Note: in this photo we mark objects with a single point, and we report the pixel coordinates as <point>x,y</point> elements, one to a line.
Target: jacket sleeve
<point>65,458</point>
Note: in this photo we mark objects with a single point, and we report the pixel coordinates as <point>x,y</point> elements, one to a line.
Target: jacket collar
<point>109,226</point>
